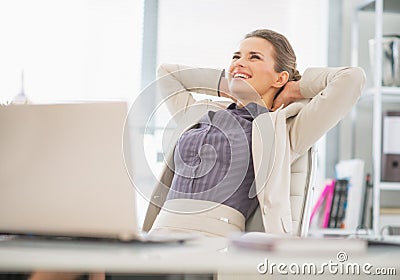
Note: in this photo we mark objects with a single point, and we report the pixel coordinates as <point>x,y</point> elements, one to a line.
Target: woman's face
<point>252,67</point>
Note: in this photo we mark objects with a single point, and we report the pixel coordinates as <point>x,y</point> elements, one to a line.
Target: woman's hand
<point>290,93</point>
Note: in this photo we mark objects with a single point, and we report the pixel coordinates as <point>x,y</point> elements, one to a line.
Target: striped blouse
<point>213,160</point>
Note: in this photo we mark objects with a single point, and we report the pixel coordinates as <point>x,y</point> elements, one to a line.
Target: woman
<point>231,160</point>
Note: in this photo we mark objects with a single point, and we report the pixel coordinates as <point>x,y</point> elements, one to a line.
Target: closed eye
<point>235,56</point>
<point>255,56</point>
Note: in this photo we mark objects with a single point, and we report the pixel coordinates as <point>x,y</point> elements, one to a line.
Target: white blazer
<point>330,94</point>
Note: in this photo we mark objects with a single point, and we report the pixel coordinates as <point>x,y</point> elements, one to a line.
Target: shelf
<point>389,6</point>
<point>390,211</point>
<point>390,186</point>
<point>384,90</point>
<point>391,90</point>
<point>337,231</point>
<point>389,94</point>
<point>378,98</point>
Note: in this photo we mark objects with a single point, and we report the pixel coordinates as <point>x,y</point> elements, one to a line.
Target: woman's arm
<point>177,82</point>
<point>289,94</point>
<point>334,91</point>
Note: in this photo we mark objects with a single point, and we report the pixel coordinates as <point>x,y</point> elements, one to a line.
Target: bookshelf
<point>379,96</point>
<point>389,186</point>
<point>337,232</point>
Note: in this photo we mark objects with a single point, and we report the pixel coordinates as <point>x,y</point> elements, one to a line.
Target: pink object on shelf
<point>327,194</point>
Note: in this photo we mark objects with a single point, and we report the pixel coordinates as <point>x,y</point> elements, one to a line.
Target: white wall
<point>205,33</point>
<point>70,49</point>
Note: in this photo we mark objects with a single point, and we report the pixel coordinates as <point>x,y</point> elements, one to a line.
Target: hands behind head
<point>289,94</point>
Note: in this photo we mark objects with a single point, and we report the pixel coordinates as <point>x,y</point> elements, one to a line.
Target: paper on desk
<point>293,244</point>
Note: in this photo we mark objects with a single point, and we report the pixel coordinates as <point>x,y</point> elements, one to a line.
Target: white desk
<point>200,256</point>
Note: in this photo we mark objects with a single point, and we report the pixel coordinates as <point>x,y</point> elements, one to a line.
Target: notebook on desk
<point>62,171</point>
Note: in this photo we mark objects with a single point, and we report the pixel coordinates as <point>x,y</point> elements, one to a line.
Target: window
<point>71,49</point>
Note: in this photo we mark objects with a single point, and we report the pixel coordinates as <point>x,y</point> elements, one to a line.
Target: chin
<point>242,90</point>
<point>239,85</point>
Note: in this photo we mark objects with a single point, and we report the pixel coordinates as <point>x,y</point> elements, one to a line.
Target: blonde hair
<point>285,58</point>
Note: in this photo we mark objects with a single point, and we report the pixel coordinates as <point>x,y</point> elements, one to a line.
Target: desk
<point>208,255</point>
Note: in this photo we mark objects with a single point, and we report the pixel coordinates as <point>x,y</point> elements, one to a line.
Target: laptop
<point>62,171</point>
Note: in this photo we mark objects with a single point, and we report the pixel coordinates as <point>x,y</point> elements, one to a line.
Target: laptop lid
<point>62,171</point>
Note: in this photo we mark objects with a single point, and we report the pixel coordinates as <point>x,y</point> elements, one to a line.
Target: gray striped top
<point>213,160</point>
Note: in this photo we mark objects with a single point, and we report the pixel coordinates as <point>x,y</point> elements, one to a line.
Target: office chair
<point>303,175</point>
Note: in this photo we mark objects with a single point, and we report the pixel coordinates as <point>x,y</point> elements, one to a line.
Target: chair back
<point>302,185</point>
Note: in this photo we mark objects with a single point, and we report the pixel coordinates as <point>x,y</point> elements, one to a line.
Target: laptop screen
<point>62,171</point>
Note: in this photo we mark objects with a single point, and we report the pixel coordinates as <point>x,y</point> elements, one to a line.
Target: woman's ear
<point>282,79</point>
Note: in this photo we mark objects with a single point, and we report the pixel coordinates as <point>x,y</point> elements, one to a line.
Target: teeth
<point>241,75</point>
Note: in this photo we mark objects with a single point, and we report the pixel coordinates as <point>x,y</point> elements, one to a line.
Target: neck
<point>243,103</point>
<point>265,100</point>
<point>268,99</point>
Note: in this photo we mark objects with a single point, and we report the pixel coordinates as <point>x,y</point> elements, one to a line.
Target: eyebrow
<point>252,52</point>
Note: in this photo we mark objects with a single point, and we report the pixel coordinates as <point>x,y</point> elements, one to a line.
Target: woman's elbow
<point>352,79</point>
<point>358,79</point>
<point>162,70</point>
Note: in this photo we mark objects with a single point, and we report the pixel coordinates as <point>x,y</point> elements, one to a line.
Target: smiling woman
<point>199,44</point>
<point>266,54</point>
<point>235,158</point>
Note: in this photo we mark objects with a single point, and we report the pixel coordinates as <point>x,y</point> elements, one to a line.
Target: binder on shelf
<point>366,215</point>
<point>390,171</point>
<point>342,186</point>
<point>334,208</point>
<point>339,204</point>
<point>353,171</point>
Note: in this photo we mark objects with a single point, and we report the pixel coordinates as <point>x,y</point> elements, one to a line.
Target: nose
<point>240,62</point>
